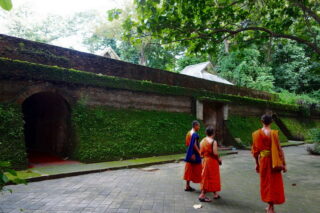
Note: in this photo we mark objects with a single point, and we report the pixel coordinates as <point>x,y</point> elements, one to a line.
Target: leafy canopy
<point>201,25</point>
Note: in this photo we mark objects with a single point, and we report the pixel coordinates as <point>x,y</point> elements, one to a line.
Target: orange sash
<point>276,154</point>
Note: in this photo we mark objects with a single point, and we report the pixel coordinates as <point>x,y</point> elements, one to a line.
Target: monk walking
<point>193,168</point>
<point>270,162</point>
<point>210,166</point>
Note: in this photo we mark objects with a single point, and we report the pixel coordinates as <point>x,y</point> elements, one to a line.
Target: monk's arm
<point>282,155</point>
<point>215,151</point>
<point>255,153</point>
<point>256,157</point>
<point>196,148</point>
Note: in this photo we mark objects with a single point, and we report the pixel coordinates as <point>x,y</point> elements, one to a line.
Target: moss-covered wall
<point>22,70</point>
<point>40,53</point>
<point>12,146</point>
<point>111,134</point>
<point>243,126</point>
<point>300,128</point>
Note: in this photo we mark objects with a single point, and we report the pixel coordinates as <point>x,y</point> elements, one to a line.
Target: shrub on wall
<point>12,146</point>
<point>243,126</point>
<point>105,133</point>
<point>301,128</point>
<point>315,137</point>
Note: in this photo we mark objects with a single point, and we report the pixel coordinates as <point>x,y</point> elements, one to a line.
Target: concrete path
<point>160,190</point>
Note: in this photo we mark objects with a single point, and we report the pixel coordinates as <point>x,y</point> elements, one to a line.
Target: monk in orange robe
<point>193,168</point>
<point>270,162</point>
<point>210,166</point>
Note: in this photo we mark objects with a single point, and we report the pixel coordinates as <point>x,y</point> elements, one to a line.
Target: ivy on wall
<point>243,126</point>
<point>12,146</point>
<point>105,134</point>
<point>302,128</point>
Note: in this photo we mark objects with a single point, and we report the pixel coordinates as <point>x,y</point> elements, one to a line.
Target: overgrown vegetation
<point>105,134</point>
<point>315,147</point>
<point>243,126</point>
<point>12,146</point>
<point>301,128</point>
<point>7,174</point>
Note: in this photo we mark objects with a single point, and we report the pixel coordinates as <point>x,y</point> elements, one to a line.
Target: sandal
<point>216,197</point>
<point>190,189</point>
<point>204,199</point>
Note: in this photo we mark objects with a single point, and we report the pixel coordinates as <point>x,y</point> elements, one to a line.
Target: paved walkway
<point>161,191</point>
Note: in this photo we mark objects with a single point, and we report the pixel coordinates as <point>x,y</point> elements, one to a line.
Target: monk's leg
<point>216,195</point>
<point>203,198</point>
<point>188,184</point>
<point>188,187</point>
<point>270,208</point>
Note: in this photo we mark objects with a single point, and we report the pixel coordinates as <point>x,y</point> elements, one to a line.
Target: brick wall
<point>18,91</point>
<point>26,50</point>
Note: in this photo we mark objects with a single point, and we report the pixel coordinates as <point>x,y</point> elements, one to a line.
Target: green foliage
<point>315,133</point>
<point>97,43</point>
<point>7,175</point>
<point>301,128</point>
<point>6,4</point>
<point>243,126</point>
<point>202,25</point>
<point>113,14</point>
<point>292,98</point>
<point>292,69</point>
<point>244,69</point>
<point>12,147</point>
<point>315,147</point>
<point>111,134</point>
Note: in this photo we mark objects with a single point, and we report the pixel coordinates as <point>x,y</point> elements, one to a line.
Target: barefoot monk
<point>270,163</point>
<point>211,161</point>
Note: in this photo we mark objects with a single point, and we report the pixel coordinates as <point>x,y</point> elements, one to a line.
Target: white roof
<point>203,71</point>
<point>110,53</point>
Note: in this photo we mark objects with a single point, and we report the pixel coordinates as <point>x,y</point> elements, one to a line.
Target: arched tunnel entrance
<point>47,127</point>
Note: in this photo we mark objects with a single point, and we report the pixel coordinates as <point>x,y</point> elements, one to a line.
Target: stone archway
<point>47,129</point>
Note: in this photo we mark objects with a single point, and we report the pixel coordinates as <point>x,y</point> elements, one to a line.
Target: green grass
<point>301,128</point>
<point>25,174</point>
<point>243,126</point>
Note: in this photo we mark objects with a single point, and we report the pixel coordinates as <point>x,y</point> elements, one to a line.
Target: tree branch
<point>272,34</point>
<point>208,35</point>
<point>300,4</point>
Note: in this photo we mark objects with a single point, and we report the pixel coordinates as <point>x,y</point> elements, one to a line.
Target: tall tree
<point>292,68</point>
<point>201,25</point>
<point>244,68</point>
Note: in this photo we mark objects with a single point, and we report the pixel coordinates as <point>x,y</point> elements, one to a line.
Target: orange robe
<point>192,171</point>
<point>271,183</point>
<point>211,171</point>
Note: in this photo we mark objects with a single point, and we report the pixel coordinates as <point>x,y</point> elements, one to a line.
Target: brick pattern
<point>22,49</point>
<point>18,91</point>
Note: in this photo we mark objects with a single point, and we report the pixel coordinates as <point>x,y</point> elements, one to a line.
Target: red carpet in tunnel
<point>37,159</point>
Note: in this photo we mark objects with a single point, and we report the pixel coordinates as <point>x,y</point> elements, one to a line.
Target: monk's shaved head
<point>266,119</point>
